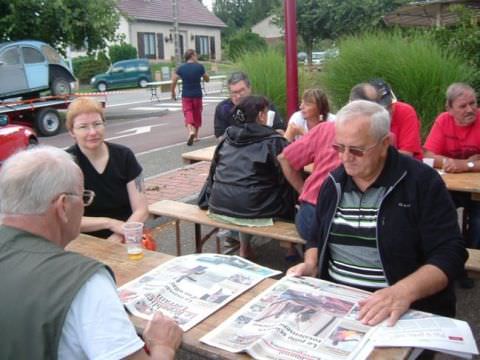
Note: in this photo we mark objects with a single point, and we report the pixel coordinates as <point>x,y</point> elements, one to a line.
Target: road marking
<point>134,131</point>
<point>168,146</point>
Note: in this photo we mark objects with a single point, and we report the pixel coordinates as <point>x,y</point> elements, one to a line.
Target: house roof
<point>190,12</point>
<point>429,13</point>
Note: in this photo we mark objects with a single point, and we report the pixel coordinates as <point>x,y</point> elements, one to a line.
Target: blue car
<point>28,67</point>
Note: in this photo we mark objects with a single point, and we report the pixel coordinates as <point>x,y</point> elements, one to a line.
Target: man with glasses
<point>238,86</point>
<point>385,223</point>
<point>56,303</point>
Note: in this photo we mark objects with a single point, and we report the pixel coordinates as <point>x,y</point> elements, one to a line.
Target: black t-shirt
<point>111,195</point>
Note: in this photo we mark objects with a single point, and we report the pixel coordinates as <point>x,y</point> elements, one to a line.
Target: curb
<point>132,115</point>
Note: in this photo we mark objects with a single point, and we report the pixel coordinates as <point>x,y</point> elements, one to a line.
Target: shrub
<point>85,67</point>
<point>416,68</point>
<point>244,41</point>
<point>267,73</point>
<point>123,51</point>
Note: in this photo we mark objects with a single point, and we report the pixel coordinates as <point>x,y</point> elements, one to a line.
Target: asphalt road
<point>154,130</point>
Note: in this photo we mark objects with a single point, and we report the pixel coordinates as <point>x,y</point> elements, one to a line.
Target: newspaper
<point>308,318</point>
<point>190,288</point>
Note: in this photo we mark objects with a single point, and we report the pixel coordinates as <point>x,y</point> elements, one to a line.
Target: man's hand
<point>391,302</point>
<point>454,165</point>
<point>303,269</point>
<point>116,238</point>
<point>162,336</point>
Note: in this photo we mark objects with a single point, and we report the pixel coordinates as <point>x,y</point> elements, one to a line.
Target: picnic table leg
<point>198,238</point>
<point>177,237</point>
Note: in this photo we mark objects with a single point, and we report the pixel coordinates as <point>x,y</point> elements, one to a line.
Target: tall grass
<point>416,68</point>
<point>267,72</point>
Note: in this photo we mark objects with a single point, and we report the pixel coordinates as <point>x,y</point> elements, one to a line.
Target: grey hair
<point>456,90</point>
<point>31,179</point>
<point>379,117</point>
<point>238,76</point>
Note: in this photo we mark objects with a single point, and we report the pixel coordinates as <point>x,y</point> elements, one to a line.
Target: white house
<point>148,26</point>
<point>266,29</point>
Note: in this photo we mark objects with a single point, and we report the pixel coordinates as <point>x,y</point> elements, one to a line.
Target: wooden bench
<point>283,231</point>
<point>473,263</point>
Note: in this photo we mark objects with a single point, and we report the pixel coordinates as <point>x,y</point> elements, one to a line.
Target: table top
<point>115,256</point>
<point>466,182</point>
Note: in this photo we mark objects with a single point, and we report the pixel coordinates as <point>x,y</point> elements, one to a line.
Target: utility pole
<point>176,41</point>
<point>290,8</point>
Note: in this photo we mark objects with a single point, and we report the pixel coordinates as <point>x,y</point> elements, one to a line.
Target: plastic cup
<point>428,161</point>
<point>133,232</point>
<point>270,117</point>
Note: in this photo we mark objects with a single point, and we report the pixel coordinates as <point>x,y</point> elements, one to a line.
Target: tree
<point>242,42</point>
<point>330,19</point>
<point>238,14</point>
<point>86,24</point>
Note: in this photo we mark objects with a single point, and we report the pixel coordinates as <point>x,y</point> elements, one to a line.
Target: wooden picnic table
<point>465,182</point>
<point>115,256</point>
<point>206,154</point>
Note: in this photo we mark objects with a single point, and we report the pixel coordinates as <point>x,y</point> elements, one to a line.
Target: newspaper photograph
<point>308,318</point>
<point>296,318</point>
<point>190,288</point>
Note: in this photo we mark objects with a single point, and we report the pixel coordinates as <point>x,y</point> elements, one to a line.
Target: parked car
<point>135,72</point>
<point>14,138</point>
<point>319,57</point>
<point>28,67</point>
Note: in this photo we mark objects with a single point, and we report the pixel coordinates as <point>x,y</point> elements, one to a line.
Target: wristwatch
<point>470,165</point>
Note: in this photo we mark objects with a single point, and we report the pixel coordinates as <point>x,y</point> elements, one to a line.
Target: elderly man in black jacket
<point>385,223</point>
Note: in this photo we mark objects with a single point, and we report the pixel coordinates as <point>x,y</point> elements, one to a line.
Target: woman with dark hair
<point>246,185</point>
<point>191,73</point>
<point>314,109</point>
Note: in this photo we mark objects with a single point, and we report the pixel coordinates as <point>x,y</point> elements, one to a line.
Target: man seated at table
<point>238,86</point>
<point>405,126</point>
<point>314,147</point>
<point>454,144</point>
<point>56,303</point>
<point>385,223</point>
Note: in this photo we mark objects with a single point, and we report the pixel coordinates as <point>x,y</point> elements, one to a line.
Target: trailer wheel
<point>47,122</point>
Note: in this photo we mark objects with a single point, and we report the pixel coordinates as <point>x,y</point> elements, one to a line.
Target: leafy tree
<point>238,14</point>
<point>86,24</point>
<point>330,19</point>
<point>122,51</point>
<point>244,41</point>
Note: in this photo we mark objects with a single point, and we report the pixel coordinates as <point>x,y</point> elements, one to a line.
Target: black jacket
<point>247,179</point>
<point>416,225</point>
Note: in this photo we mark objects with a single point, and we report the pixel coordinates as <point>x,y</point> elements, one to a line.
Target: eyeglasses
<point>86,127</point>
<point>355,151</point>
<point>87,196</point>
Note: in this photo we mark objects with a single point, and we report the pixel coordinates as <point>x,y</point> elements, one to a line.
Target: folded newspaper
<point>190,288</point>
<point>307,318</point>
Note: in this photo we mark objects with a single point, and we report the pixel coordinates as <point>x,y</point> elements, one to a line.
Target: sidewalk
<point>180,184</point>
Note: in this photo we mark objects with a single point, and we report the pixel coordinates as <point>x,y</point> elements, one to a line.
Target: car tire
<point>102,86</point>
<point>60,86</point>
<point>142,83</point>
<point>48,122</point>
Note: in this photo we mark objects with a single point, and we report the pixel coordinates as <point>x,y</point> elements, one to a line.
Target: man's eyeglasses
<point>355,151</point>
<point>86,127</point>
<point>87,196</point>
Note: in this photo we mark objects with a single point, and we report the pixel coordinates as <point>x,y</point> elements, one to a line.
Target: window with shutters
<point>201,45</point>
<point>147,45</point>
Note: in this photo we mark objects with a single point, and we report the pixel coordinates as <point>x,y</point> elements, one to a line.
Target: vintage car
<point>29,67</point>
<point>14,138</point>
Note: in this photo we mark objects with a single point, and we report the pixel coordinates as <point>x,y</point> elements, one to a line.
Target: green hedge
<point>85,67</point>
<point>416,68</point>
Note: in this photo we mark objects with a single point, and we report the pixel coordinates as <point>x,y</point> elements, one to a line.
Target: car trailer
<point>40,113</point>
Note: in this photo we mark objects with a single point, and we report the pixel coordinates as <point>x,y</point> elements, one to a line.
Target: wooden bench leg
<point>177,237</point>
